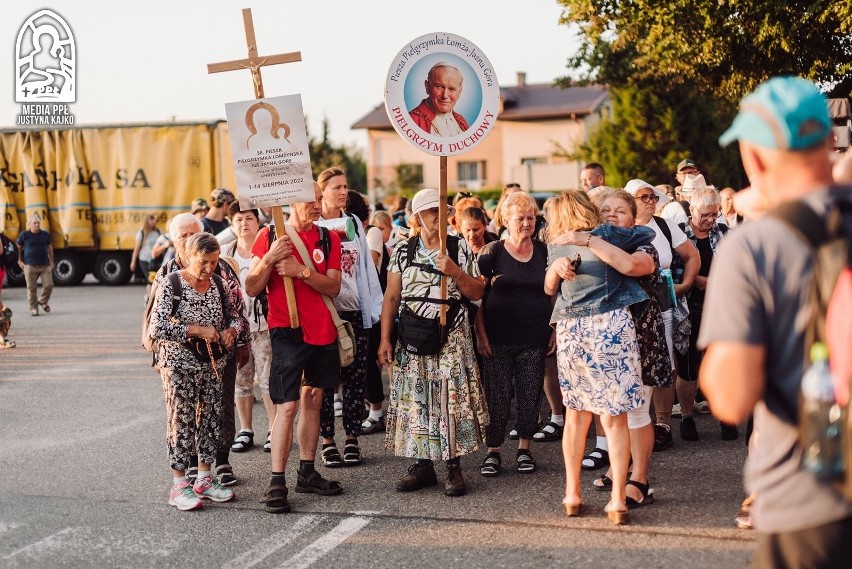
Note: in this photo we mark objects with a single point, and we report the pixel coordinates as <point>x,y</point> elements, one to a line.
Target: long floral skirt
<point>437,407</point>
<point>597,358</point>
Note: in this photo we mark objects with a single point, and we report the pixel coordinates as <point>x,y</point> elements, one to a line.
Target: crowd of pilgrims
<point>591,301</point>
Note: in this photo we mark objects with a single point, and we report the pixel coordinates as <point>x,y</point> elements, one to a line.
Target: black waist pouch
<point>424,336</point>
<point>198,347</point>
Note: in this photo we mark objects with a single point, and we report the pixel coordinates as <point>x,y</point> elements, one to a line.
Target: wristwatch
<point>306,272</point>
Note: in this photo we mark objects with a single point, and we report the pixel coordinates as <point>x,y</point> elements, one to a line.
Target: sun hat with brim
<point>427,199</point>
<point>694,182</point>
<point>634,186</point>
<point>784,113</point>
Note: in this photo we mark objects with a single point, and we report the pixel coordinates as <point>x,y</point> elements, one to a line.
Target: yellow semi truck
<point>94,186</point>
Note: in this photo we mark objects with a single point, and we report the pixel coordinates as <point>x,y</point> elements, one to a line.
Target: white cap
<point>427,199</point>
<point>634,186</point>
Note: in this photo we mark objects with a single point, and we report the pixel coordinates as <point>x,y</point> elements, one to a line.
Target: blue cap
<point>785,113</point>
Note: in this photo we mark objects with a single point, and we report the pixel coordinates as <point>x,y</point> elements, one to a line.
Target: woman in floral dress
<point>597,353</point>
<point>437,408</point>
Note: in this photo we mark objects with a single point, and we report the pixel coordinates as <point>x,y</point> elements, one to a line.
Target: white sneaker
<point>208,488</point>
<point>676,410</point>
<point>338,408</point>
<point>183,498</point>
<point>702,407</point>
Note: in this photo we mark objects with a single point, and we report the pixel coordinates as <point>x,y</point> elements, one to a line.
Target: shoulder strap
<point>453,247</point>
<point>223,298</point>
<point>355,221</point>
<point>723,228</point>
<point>232,248</point>
<point>410,250</point>
<point>804,221</point>
<point>306,260</point>
<point>664,227</point>
<point>325,240</point>
<point>177,291</point>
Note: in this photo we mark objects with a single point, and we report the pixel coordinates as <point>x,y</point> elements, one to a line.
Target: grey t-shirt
<point>756,291</point>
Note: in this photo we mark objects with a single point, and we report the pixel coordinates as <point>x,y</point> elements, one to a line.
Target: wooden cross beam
<point>253,63</point>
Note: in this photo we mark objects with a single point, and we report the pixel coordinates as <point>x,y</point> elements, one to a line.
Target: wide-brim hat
<point>694,182</point>
<point>427,198</point>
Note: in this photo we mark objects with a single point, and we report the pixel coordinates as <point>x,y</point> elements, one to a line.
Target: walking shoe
<point>525,460</point>
<point>314,483</point>
<point>276,499</point>
<point>743,517</point>
<point>419,476</point>
<point>702,407</point>
<point>454,486</point>
<point>370,426</point>
<point>676,412</point>
<point>183,498</point>
<point>662,437</point>
<point>225,475</point>
<point>208,488</point>
<point>729,432</point>
<point>513,435</point>
<point>688,431</point>
<point>267,446</point>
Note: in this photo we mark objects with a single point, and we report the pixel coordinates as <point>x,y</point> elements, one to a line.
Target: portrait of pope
<point>435,114</point>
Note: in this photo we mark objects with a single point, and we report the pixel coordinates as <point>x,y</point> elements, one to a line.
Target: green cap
<point>819,352</point>
<point>784,113</point>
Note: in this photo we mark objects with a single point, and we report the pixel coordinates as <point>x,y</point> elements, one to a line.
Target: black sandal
<point>243,441</point>
<point>602,483</point>
<point>351,454</point>
<point>647,495</point>
<point>276,499</point>
<point>314,483</point>
<point>526,464</point>
<point>331,457</point>
<point>549,432</point>
<point>490,467</point>
<point>599,461</point>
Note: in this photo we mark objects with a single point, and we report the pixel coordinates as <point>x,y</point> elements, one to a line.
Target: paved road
<point>84,478</point>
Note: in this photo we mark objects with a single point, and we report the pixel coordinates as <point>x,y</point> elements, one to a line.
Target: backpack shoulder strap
<point>177,290</point>
<point>453,247</point>
<point>325,240</point>
<point>664,227</point>
<point>410,250</point>
<point>232,248</point>
<point>804,221</point>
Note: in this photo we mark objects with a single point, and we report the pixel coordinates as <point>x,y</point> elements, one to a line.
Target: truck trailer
<point>94,186</point>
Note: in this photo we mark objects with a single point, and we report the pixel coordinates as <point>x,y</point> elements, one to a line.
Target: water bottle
<point>666,276</point>
<point>821,444</point>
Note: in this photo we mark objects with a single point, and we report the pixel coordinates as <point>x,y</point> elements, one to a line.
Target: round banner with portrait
<point>442,94</point>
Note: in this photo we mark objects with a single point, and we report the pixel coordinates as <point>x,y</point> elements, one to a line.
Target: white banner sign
<point>269,144</point>
<point>442,94</point>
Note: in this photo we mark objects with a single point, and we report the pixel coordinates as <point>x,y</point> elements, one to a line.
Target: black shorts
<point>295,363</point>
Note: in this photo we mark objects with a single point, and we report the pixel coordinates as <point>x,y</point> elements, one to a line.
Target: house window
<point>471,173</point>
<point>531,161</point>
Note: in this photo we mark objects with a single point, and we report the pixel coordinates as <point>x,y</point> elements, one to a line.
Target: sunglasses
<point>652,198</point>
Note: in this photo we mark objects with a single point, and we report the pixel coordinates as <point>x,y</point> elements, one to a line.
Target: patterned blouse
<point>194,308</point>
<point>417,282</point>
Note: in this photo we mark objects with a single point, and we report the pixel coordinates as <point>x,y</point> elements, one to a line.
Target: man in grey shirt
<point>754,329</point>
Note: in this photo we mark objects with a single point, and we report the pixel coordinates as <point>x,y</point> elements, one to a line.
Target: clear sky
<point>146,61</point>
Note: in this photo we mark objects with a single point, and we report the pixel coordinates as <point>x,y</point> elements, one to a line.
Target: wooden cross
<point>253,63</point>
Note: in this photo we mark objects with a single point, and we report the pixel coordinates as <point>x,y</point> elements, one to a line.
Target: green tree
<point>325,154</point>
<point>724,47</point>
<point>677,68</point>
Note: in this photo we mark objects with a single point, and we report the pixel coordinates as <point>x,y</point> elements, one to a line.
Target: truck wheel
<point>112,268</point>
<point>68,269</point>
<point>15,276</point>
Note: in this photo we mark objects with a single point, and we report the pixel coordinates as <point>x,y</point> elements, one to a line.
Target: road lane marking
<point>46,544</point>
<point>312,553</point>
<point>7,527</point>
<point>273,543</point>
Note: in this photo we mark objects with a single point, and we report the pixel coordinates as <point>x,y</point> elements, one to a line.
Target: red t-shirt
<point>314,318</point>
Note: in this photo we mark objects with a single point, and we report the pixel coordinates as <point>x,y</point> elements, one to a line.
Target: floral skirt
<point>597,358</point>
<point>437,406</point>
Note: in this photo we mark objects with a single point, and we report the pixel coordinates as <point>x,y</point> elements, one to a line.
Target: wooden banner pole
<point>442,232</point>
<point>253,64</point>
